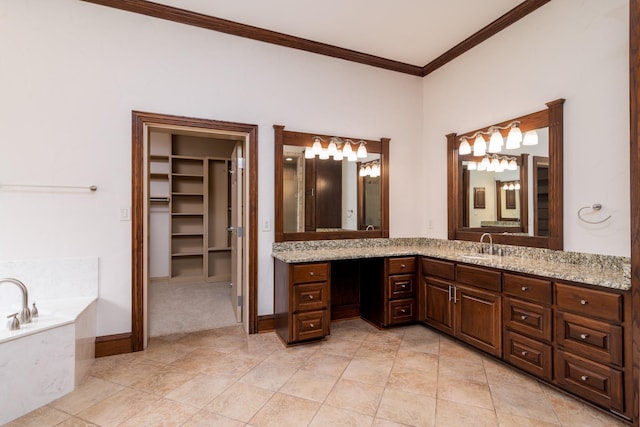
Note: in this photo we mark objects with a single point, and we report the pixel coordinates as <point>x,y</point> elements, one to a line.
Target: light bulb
<point>484,164</point>
<point>494,165</point>
<point>479,146</point>
<point>512,187</point>
<point>352,157</point>
<point>505,186</point>
<point>317,147</point>
<point>514,138</point>
<point>362,171</point>
<point>465,148</point>
<point>513,165</point>
<point>517,186</point>
<point>308,153</point>
<point>362,151</point>
<point>324,154</point>
<point>338,155</point>
<point>495,143</point>
<point>472,166</point>
<point>375,170</point>
<point>530,138</point>
<point>367,170</point>
<point>504,164</point>
<point>346,150</point>
<point>332,148</point>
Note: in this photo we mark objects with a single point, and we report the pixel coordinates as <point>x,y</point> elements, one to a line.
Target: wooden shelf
<point>163,176</point>
<point>219,249</point>
<point>158,158</point>
<point>187,254</point>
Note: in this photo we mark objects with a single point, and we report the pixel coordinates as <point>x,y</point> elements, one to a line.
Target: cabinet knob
<point>311,273</point>
<point>402,266</point>
<point>310,296</point>
<point>583,301</point>
<point>524,317</point>
<point>403,310</point>
<point>584,336</point>
<point>403,286</point>
<point>524,353</point>
<point>525,289</point>
<point>584,377</point>
<point>311,325</point>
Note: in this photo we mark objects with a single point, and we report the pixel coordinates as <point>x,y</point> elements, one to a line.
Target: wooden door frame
<point>139,122</point>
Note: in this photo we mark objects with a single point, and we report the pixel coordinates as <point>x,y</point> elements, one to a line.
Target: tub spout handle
<point>13,324</point>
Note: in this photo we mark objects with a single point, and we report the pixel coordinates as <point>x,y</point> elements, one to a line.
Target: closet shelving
<point>199,204</point>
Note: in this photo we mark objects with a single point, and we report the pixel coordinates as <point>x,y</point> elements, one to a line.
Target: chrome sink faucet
<point>25,313</point>
<point>490,242</point>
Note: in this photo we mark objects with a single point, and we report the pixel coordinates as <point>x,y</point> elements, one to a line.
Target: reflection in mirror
<point>514,208</point>
<point>335,195</point>
<point>325,195</point>
<point>518,180</point>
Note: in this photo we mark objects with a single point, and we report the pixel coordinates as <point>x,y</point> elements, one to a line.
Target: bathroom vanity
<point>562,317</point>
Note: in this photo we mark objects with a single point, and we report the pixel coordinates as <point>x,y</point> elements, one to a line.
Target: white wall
<point>71,74</point>
<point>576,50</point>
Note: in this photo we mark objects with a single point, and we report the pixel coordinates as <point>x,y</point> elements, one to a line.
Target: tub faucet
<point>490,242</point>
<point>25,313</point>
<point>369,227</point>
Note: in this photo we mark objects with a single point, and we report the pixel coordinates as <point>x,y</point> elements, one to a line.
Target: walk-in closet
<point>190,232</point>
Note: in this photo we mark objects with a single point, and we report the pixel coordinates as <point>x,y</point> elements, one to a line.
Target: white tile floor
<point>359,376</point>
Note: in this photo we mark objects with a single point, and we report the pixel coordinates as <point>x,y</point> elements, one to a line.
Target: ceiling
<point>409,31</point>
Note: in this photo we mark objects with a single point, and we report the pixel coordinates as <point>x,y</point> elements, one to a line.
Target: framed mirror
<point>330,196</point>
<point>511,190</point>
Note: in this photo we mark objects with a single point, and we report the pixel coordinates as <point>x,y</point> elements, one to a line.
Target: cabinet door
<point>477,319</point>
<point>438,307</point>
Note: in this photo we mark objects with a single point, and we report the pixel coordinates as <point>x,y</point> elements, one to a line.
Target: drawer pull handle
<point>524,317</point>
<point>584,336</point>
<point>403,310</point>
<point>525,289</point>
<point>583,301</point>
<point>311,325</point>
<point>310,296</point>
<point>524,353</point>
<point>311,273</point>
<point>403,286</point>
<point>584,377</point>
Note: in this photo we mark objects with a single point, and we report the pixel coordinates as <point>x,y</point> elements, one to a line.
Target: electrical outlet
<point>266,225</point>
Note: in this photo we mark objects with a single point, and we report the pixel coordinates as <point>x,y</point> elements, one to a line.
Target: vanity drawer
<point>527,354</point>
<point>437,268</point>
<point>590,302</point>
<point>401,286</point>
<point>598,383</point>
<point>310,325</point>
<point>401,311</point>
<point>305,273</point>
<point>530,319</point>
<point>402,265</point>
<point>478,277</point>
<point>310,296</point>
<point>529,288</point>
<point>590,338</point>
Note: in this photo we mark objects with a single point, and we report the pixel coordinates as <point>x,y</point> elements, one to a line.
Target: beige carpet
<point>188,307</point>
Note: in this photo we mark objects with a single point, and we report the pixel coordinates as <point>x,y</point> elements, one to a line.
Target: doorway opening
<point>194,217</point>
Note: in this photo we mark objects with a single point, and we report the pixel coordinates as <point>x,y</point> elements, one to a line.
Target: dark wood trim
<point>552,117</point>
<point>183,16</point>
<point>266,323</point>
<point>110,345</point>
<point>213,23</point>
<point>634,116</point>
<point>514,15</point>
<point>139,120</point>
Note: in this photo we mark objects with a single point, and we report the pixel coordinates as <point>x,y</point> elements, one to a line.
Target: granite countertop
<point>605,271</point>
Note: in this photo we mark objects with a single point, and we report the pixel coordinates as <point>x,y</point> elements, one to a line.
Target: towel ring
<point>596,207</point>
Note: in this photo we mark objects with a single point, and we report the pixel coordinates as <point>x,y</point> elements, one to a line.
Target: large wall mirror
<point>506,179</point>
<point>323,193</point>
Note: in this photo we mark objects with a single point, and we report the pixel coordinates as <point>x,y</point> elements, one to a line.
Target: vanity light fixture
<point>496,142</point>
<point>370,169</point>
<point>493,163</point>
<point>513,185</point>
<point>333,149</point>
